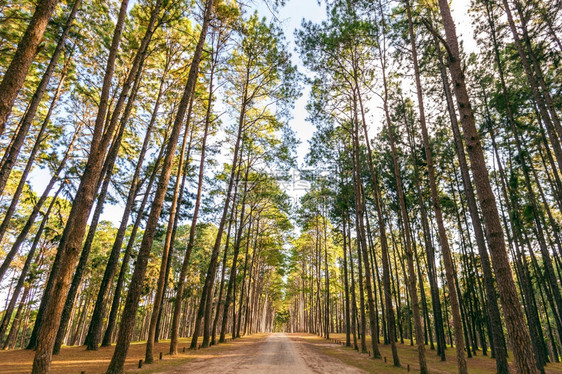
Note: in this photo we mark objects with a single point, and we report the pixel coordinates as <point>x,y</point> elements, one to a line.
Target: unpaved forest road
<point>277,353</point>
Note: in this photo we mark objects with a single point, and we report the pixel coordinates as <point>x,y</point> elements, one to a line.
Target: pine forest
<point>281,186</point>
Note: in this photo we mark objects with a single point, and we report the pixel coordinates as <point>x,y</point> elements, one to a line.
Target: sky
<point>291,17</point>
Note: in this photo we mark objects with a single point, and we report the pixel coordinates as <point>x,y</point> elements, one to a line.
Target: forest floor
<point>76,360</point>
<point>408,355</point>
<point>261,353</point>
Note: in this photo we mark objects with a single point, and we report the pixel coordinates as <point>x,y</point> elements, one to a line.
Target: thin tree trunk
<point>183,272</point>
<point>162,277</point>
<point>223,275</point>
<point>73,234</point>
<point>209,279</point>
<point>36,209</point>
<point>346,285</point>
<point>109,273</point>
<point>131,305</point>
<point>15,75</point>
<point>11,155</point>
<point>327,282</point>
<point>236,250</point>
<point>384,242</point>
<point>29,164</point>
<point>407,241</point>
<point>513,313</point>
<point>23,275</point>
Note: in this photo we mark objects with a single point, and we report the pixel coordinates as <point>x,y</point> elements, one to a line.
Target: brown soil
<point>478,364</point>
<point>77,359</point>
<point>276,353</point>
<point>261,353</point>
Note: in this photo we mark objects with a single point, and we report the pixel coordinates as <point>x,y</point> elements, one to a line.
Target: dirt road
<point>275,354</point>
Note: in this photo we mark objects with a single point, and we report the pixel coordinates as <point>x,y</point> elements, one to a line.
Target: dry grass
<point>408,355</point>
<point>76,359</point>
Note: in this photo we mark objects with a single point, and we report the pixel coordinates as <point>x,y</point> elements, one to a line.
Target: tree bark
<point>11,155</point>
<point>73,234</point>
<point>183,272</point>
<point>384,242</point>
<point>15,75</point>
<point>131,304</point>
<point>29,164</point>
<point>170,231</point>
<point>112,266</point>
<point>513,313</point>
<point>10,309</point>
<point>407,243</point>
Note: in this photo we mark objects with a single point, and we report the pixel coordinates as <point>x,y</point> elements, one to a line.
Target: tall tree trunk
<point>346,284</point>
<point>36,208</point>
<point>383,238</point>
<point>525,166</point>
<point>407,243</point>
<point>352,276</point>
<point>73,234</point>
<point>15,75</point>
<point>362,243</point>
<point>162,277</point>
<point>204,311</point>
<point>447,257</point>
<point>236,250</point>
<point>183,272</point>
<point>131,305</point>
<point>112,262</point>
<point>11,155</point>
<point>327,316</point>
<point>23,275</point>
<point>513,313</point>
<point>134,78</point>
<point>99,307</point>
<point>535,328</point>
<point>209,279</point>
<point>500,349</point>
<point>29,164</point>
<point>92,340</point>
<point>173,235</point>
<point>220,303</point>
